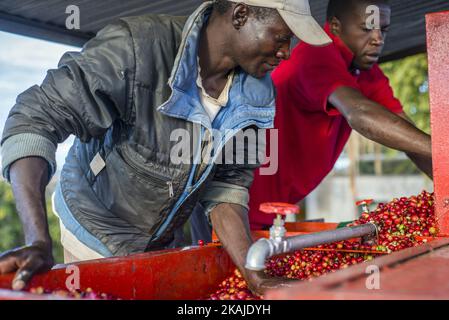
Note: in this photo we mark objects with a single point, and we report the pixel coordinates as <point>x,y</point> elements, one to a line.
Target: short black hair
<point>222,6</point>
<point>338,8</point>
<point>260,13</point>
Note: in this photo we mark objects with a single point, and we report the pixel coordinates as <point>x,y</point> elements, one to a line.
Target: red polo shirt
<point>312,133</point>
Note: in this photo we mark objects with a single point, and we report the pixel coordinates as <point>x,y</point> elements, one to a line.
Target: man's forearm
<point>379,124</point>
<point>230,223</point>
<point>402,136</point>
<point>29,178</point>
<point>423,164</point>
<point>415,143</point>
<point>394,132</point>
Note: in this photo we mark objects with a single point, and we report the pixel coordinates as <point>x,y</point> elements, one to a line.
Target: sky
<point>24,62</point>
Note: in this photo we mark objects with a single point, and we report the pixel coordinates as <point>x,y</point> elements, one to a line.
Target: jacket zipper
<point>204,145</point>
<point>153,176</point>
<point>159,231</point>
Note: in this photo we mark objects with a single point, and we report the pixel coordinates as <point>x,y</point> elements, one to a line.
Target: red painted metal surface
<point>172,274</point>
<point>415,273</point>
<point>163,275</point>
<point>438,51</point>
<point>193,273</point>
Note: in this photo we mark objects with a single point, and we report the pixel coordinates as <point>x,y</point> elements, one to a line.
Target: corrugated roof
<point>46,19</point>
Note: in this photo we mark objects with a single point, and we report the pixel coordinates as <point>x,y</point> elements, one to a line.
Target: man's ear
<point>240,15</point>
<point>335,26</point>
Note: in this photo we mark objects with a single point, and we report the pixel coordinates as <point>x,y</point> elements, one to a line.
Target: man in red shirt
<point>325,92</point>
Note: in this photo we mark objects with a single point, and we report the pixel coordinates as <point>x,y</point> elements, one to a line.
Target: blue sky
<point>24,62</point>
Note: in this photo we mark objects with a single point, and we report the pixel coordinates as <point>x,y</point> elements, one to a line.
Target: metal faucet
<point>278,244</point>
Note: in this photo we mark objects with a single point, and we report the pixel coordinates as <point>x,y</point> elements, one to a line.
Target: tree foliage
<point>409,79</point>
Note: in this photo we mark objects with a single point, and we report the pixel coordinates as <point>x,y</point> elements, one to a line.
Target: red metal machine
<point>189,273</point>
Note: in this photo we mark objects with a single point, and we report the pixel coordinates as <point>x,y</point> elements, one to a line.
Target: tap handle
<point>280,209</point>
<point>365,204</point>
<point>278,231</point>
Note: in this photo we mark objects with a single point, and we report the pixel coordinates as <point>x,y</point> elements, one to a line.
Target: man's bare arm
<point>230,222</point>
<point>29,178</point>
<point>424,164</point>
<point>379,124</point>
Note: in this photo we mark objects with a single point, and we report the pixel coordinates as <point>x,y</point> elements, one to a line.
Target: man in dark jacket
<point>126,97</point>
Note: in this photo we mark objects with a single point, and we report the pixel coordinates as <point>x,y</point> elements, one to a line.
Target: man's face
<point>364,41</point>
<point>261,45</point>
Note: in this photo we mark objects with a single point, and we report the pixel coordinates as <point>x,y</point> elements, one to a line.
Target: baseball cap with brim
<point>298,17</point>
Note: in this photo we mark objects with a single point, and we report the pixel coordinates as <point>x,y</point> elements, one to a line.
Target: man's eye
<point>283,39</point>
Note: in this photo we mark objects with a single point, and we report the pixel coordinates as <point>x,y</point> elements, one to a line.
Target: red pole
<point>438,52</point>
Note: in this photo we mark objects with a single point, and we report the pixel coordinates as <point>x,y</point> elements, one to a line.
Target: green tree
<point>410,82</point>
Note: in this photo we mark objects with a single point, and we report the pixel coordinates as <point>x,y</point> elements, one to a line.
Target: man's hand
<point>259,282</point>
<point>26,261</point>
<point>230,222</point>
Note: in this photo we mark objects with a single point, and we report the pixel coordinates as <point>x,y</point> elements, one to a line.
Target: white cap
<point>298,17</point>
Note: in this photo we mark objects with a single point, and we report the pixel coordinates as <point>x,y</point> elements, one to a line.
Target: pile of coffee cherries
<point>301,265</point>
<point>402,223</point>
<point>304,265</point>
<point>233,288</point>
<point>89,294</point>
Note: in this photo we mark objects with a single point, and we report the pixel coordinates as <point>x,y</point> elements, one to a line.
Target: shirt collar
<point>346,53</point>
<point>222,100</point>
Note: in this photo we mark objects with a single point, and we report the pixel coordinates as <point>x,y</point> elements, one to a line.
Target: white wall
<point>333,200</point>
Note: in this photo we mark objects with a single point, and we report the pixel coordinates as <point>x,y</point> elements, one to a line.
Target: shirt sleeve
<point>84,96</point>
<point>320,72</point>
<point>376,86</point>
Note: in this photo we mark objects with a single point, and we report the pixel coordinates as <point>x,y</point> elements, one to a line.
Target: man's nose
<point>378,37</point>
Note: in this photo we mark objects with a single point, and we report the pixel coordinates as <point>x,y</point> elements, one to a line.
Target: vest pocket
<point>163,181</point>
<point>136,194</point>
